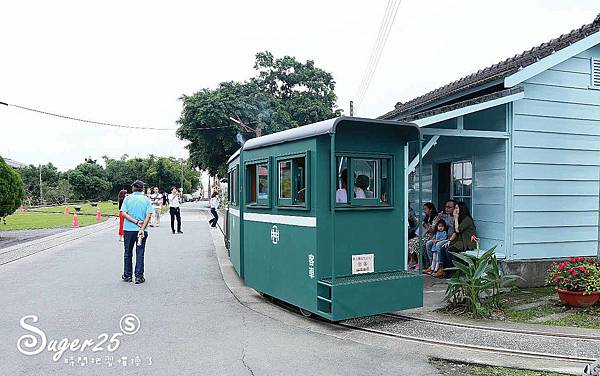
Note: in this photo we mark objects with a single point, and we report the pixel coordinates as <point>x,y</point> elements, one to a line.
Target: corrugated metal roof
<point>495,72</point>
<point>312,130</point>
<point>14,164</point>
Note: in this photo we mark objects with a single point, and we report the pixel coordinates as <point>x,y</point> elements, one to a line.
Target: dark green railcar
<point>317,217</point>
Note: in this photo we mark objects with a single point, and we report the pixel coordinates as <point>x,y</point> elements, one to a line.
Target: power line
<point>99,122</point>
<point>379,52</point>
<point>84,120</point>
<point>378,47</point>
<point>375,47</point>
<point>386,26</point>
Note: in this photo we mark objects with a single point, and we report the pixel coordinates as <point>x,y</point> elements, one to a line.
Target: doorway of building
<point>444,183</point>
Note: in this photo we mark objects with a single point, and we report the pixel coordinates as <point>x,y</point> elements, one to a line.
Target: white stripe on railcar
<point>282,219</point>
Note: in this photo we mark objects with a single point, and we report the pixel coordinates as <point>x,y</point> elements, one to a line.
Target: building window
<point>369,183</point>
<point>462,182</point>
<point>257,183</point>
<point>292,181</point>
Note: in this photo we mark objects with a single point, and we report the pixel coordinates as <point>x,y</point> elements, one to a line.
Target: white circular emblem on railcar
<point>275,234</point>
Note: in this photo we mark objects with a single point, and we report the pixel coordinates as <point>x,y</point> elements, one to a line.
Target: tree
<point>161,172</point>
<point>31,180</point>
<point>284,94</point>
<point>11,189</point>
<point>89,181</point>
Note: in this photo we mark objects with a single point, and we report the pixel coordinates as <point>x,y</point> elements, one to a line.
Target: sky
<point>129,62</point>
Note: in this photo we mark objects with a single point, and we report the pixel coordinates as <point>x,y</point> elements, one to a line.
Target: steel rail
<point>494,329</point>
<point>488,349</point>
<point>498,350</point>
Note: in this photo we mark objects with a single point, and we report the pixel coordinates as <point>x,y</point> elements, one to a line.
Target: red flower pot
<point>578,299</point>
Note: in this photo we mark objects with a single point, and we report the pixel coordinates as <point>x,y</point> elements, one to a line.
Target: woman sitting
<point>426,231</point>
<point>464,229</point>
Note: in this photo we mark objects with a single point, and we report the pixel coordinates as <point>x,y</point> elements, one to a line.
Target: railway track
<point>592,342</point>
<point>490,349</point>
<point>495,329</point>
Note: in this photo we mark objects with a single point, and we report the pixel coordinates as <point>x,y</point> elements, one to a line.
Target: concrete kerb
<point>252,300</point>
<point>19,251</point>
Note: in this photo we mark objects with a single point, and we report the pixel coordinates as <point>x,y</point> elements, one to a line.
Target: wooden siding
<point>489,161</point>
<point>556,163</point>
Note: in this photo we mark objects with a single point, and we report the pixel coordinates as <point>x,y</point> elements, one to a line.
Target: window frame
<point>368,203</point>
<point>462,197</point>
<point>259,203</point>
<point>292,203</point>
<point>233,186</point>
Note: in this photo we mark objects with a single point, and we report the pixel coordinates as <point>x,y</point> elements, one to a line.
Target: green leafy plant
<point>576,274</point>
<point>476,282</point>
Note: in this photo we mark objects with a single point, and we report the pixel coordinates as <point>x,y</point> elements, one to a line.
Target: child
<point>433,246</point>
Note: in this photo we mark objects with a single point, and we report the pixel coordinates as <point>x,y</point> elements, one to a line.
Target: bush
<point>476,282</point>
<point>576,274</point>
<point>11,189</point>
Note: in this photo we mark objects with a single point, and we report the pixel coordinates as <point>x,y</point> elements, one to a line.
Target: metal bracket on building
<point>430,144</point>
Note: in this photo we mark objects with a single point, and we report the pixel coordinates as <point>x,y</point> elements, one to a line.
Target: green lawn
<point>577,317</point>
<point>449,368</point>
<point>35,220</point>
<point>106,207</point>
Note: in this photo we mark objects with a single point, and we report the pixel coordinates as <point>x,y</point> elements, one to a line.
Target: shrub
<point>476,282</point>
<point>576,274</point>
<point>11,189</point>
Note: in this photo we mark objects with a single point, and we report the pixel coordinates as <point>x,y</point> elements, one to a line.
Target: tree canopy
<point>285,93</point>
<point>11,189</point>
<point>91,181</point>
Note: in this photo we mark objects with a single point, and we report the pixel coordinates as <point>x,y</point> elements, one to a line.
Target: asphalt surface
<point>190,323</point>
<point>13,237</point>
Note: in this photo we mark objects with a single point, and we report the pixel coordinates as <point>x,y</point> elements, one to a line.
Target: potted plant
<point>577,281</point>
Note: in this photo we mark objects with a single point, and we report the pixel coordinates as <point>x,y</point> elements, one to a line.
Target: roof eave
<point>552,60</point>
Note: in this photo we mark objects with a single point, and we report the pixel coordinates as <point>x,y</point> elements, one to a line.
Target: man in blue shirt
<point>137,211</point>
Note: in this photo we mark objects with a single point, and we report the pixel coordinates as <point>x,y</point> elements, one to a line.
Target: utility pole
<point>41,197</point>
<point>181,175</point>
<point>351,108</point>
<point>257,131</point>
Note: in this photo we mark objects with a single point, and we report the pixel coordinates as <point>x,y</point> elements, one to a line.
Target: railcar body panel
<point>291,240</point>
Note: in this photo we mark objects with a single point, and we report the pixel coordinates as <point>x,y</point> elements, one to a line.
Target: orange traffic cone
<point>66,210</point>
<point>98,215</point>
<point>75,223</point>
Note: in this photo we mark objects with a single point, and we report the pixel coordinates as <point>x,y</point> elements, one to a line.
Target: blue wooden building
<point>520,142</point>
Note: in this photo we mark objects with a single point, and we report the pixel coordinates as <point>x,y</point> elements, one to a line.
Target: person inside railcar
<point>341,195</point>
<point>361,187</point>
<point>464,229</point>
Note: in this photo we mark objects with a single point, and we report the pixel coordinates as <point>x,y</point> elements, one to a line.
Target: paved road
<point>190,322</point>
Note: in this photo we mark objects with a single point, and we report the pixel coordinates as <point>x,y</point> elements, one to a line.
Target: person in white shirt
<point>157,200</point>
<point>174,211</point>
<point>341,195</point>
<point>214,205</point>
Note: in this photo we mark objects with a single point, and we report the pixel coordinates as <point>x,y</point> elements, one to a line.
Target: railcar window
<point>232,187</point>
<point>341,193</point>
<point>257,184</point>
<point>365,178</point>
<point>300,180</point>
<point>285,179</point>
<point>385,181</point>
<point>363,181</point>
<point>262,170</point>
<point>292,181</point>
<point>251,184</point>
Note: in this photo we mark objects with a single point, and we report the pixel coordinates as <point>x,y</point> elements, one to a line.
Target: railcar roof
<point>312,130</point>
